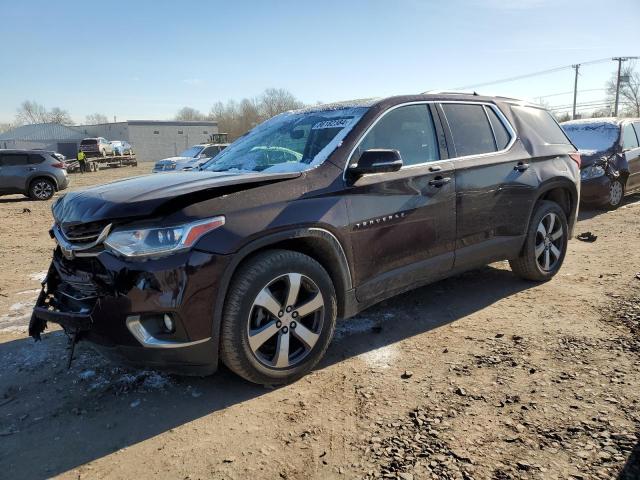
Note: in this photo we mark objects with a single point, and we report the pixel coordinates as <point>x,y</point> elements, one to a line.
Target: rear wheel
<point>41,189</point>
<point>545,245</point>
<point>616,194</point>
<point>279,317</point>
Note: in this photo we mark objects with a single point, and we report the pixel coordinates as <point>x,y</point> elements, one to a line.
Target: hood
<point>589,157</point>
<point>142,196</point>
<point>174,160</point>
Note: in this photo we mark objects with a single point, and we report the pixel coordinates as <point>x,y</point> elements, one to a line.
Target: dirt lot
<point>480,376</point>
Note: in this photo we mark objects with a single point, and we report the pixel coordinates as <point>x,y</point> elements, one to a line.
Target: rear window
<point>542,123</point>
<point>595,136</point>
<point>470,129</point>
<point>89,141</point>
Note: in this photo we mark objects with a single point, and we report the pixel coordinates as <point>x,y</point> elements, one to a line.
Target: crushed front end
<point>153,312</point>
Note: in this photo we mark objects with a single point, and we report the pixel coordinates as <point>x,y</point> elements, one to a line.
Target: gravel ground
<point>481,376</point>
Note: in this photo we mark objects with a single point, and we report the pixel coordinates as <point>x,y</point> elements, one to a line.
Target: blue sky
<point>146,59</point>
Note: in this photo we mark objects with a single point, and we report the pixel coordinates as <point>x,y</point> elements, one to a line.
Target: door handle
<point>521,166</point>
<point>439,181</point>
<point>435,168</point>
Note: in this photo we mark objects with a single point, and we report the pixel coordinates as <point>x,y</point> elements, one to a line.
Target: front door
<point>631,151</point>
<point>402,223</point>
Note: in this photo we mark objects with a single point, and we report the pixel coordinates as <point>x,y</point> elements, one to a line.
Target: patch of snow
<point>135,403</point>
<point>382,357</point>
<point>87,374</point>
<point>35,292</point>
<point>20,306</point>
<point>38,276</point>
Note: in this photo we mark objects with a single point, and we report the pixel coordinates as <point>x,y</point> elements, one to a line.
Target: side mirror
<point>376,161</point>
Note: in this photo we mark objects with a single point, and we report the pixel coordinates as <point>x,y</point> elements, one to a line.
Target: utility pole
<point>619,60</point>
<point>576,67</point>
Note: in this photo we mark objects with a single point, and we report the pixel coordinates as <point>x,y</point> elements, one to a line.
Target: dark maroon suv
<point>313,215</point>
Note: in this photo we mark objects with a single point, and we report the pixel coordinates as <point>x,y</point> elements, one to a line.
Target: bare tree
<point>31,112</point>
<point>236,118</point>
<point>629,92</point>
<point>277,100</point>
<point>95,119</point>
<point>188,113</point>
<point>60,116</point>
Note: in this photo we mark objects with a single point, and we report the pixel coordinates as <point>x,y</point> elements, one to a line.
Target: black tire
<point>531,266</point>
<point>615,199</point>
<point>251,279</point>
<point>41,188</point>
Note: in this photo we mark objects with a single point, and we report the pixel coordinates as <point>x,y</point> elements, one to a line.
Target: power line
<point>533,74</point>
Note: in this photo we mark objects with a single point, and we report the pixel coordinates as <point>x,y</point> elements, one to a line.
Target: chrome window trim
<point>498,112</point>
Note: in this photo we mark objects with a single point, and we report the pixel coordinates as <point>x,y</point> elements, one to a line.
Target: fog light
<point>168,323</point>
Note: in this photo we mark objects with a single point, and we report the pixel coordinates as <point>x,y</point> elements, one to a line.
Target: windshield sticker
<point>337,123</point>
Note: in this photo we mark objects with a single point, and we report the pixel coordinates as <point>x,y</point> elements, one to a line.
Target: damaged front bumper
<point>595,191</point>
<point>155,313</point>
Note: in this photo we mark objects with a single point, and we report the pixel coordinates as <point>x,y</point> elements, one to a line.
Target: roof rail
<point>449,92</point>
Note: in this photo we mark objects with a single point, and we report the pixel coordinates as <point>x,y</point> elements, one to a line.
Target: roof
<point>175,123</point>
<point>601,120</point>
<point>42,131</point>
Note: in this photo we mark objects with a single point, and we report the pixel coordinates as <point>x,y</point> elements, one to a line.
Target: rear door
<point>14,171</point>
<point>631,151</point>
<point>494,187</point>
<point>403,223</point>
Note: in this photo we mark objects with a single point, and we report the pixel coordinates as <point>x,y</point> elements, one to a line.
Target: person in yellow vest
<point>82,160</point>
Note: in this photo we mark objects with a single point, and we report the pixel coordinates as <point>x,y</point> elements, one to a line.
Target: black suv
<point>313,215</point>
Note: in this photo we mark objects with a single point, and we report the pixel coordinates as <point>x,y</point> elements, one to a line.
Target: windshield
<point>289,142</point>
<point>597,137</point>
<point>192,152</point>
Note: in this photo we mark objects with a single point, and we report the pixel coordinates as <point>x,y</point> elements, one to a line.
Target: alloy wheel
<point>42,190</point>
<point>285,321</point>
<point>549,242</point>
<point>615,193</point>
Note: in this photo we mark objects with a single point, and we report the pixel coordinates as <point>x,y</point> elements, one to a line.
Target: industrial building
<point>151,139</point>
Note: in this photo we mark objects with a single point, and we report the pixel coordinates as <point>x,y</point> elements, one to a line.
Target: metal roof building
<point>151,139</point>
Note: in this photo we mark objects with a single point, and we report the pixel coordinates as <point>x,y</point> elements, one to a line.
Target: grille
<point>83,232</point>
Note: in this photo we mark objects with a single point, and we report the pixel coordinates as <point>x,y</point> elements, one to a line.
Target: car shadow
<point>15,199</point>
<point>589,212</point>
<point>53,420</point>
<point>631,469</point>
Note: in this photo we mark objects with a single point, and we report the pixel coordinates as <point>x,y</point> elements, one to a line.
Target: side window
<point>499,130</point>
<point>35,159</point>
<point>14,159</point>
<point>470,129</point>
<point>629,139</point>
<point>409,130</point>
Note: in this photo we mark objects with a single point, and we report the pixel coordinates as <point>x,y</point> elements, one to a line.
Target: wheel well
<point>46,177</point>
<point>562,196</point>
<point>321,251</point>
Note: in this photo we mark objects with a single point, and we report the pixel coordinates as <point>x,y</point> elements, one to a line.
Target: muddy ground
<point>481,376</point>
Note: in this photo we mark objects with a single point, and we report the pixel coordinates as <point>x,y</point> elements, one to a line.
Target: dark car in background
<point>34,173</point>
<point>190,159</point>
<point>96,147</point>
<point>315,214</point>
<point>610,151</point>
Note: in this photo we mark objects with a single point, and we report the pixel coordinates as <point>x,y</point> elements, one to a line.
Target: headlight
<point>145,242</point>
<point>594,171</point>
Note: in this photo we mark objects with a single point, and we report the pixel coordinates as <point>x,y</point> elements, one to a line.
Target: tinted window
<point>499,130</point>
<point>14,159</point>
<point>629,139</point>
<point>35,159</point>
<point>89,141</point>
<point>210,151</point>
<point>541,122</point>
<point>407,129</point>
<point>470,128</point>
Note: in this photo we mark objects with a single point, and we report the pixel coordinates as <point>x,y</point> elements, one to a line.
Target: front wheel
<point>616,194</point>
<point>279,317</point>
<point>545,245</point>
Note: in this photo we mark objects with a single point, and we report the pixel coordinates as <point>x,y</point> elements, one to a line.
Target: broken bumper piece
<point>148,314</point>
